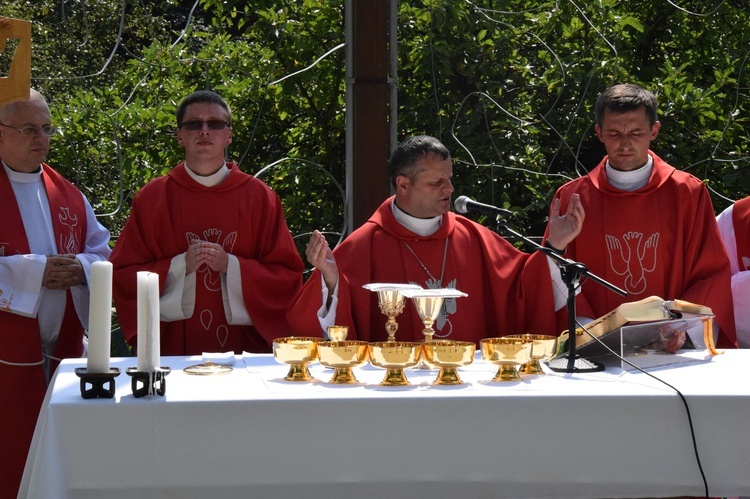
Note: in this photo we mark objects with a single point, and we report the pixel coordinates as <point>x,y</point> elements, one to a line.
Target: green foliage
<point>509,89</point>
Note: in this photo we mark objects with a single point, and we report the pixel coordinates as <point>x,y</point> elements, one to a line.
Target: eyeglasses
<point>47,130</point>
<point>194,125</point>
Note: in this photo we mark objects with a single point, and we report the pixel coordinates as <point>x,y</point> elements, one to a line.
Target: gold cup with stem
<point>508,354</point>
<point>394,357</point>
<point>298,352</point>
<point>337,333</point>
<point>391,303</point>
<point>448,356</point>
<point>428,303</point>
<point>342,356</point>
<point>542,348</point>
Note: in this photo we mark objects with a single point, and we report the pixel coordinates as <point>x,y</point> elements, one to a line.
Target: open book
<point>649,309</point>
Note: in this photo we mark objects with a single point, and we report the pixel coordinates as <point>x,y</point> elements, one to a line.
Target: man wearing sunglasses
<point>217,237</point>
<point>49,237</point>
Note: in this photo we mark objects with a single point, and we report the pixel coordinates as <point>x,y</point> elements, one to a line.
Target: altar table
<point>249,433</point>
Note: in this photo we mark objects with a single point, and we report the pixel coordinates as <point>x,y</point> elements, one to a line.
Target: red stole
<point>741,221</point>
<point>22,388</point>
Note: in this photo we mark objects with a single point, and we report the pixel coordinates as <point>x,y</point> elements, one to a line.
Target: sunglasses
<point>195,125</point>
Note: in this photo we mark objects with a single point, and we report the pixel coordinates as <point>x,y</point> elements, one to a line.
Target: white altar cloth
<point>252,434</point>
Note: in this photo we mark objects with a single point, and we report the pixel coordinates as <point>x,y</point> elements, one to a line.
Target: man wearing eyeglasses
<point>49,237</point>
<point>217,237</point>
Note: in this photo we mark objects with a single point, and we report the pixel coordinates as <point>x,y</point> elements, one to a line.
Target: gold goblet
<point>428,303</point>
<point>542,348</point>
<point>449,355</point>
<point>342,356</point>
<point>394,357</point>
<point>391,303</point>
<point>508,353</point>
<point>298,352</point>
<point>337,333</point>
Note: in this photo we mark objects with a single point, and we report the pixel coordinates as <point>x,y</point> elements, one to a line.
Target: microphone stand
<point>571,273</point>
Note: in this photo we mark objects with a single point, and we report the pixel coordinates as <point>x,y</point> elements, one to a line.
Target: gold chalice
<point>449,355</point>
<point>394,357</point>
<point>337,333</point>
<point>391,303</point>
<point>298,352</point>
<point>542,348</point>
<point>342,356</point>
<point>508,353</point>
<point>428,303</point>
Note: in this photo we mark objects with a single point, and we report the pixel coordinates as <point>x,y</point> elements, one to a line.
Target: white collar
<point>422,226</point>
<point>211,180</point>
<point>632,180</point>
<point>22,177</point>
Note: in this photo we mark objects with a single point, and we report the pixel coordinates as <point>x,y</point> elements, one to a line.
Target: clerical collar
<point>22,177</point>
<point>210,180</point>
<point>632,180</point>
<point>422,226</point>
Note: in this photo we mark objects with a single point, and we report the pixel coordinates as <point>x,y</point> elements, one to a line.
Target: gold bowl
<point>337,333</point>
<point>448,356</point>
<point>394,357</point>
<point>298,352</point>
<point>342,356</point>
<point>508,353</point>
<point>542,348</point>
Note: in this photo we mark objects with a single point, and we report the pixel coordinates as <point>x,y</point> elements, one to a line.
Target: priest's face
<point>204,144</point>
<point>627,138</point>
<point>24,152</point>
<point>428,192</point>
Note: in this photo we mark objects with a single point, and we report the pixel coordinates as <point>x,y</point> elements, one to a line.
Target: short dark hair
<point>406,155</point>
<point>203,96</point>
<point>626,97</point>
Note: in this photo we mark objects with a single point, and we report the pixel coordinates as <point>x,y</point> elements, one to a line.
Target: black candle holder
<point>148,382</point>
<point>102,385</point>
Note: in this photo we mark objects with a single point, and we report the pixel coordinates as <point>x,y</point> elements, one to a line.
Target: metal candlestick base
<point>144,383</point>
<point>102,385</point>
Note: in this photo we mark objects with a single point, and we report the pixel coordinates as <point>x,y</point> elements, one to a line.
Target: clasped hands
<point>62,272</point>
<point>201,253</point>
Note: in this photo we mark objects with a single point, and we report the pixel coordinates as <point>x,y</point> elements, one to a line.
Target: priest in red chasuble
<point>414,238</point>
<point>650,229</point>
<point>49,237</point>
<point>228,267</point>
<point>734,227</point>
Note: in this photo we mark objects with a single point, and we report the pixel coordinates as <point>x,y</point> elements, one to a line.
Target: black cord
<point>682,397</point>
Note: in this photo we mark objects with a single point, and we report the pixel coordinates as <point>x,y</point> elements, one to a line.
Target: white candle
<point>100,317</point>
<point>148,321</point>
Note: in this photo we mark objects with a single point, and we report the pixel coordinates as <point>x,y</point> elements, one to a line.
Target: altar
<point>250,433</point>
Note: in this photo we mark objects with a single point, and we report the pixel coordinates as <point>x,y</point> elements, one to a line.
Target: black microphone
<point>464,204</point>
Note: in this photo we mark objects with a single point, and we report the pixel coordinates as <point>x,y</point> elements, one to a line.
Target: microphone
<point>464,204</point>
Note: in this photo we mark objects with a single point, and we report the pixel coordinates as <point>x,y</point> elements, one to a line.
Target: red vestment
<point>22,387</point>
<point>509,291</point>
<point>741,223</point>
<point>659,240</point>
<point>243,215</point>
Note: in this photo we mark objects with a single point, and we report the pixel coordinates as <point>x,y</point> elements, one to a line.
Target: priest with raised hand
<point>217,237</point>
<point>414,238</point>
<point>49,238</point>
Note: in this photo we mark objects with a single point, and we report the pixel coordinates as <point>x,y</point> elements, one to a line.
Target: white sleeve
<point>96,249</point>
<point>21,283</point>
<point>327,316</point>
<point>177,302</point>
<point>231,293</point>
<point>726,229</point>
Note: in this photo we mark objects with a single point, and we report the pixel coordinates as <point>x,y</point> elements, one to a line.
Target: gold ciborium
<point>337,333</point>
<point>298,352</point>
<point>391,303</point>
<point>542,348</point>
<point>448,356</point>
<point>508,353</point>
<point>342,356</point>
<point>394,357</point>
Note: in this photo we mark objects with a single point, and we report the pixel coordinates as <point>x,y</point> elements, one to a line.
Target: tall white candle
<point>100,317</point>
<point>148,321</point>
